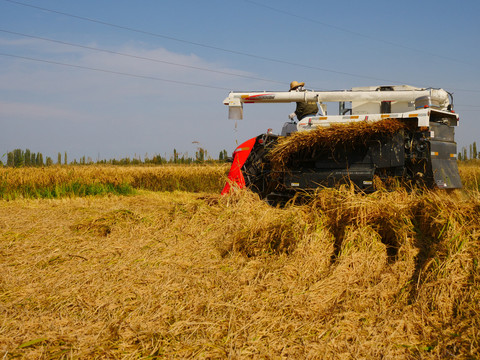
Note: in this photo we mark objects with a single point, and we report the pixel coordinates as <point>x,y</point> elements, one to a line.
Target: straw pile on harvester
<point>309,143</point>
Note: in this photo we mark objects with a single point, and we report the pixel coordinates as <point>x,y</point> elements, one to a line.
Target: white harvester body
<point>403,101</point>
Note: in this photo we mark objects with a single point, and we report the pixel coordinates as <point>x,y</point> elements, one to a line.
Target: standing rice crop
<point>64,181</point>
<point>470,174</point>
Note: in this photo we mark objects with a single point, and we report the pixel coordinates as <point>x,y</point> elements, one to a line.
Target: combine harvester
<point>400,132</point>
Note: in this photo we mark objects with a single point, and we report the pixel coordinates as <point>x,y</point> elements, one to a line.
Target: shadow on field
<point>388,236</point>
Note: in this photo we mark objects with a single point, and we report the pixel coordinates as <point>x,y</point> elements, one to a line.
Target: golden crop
<point>60,181</point>
<point>183,275</point>
<point>68,181</point>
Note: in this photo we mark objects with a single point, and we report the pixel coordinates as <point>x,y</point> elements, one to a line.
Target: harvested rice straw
<point>328,138</point>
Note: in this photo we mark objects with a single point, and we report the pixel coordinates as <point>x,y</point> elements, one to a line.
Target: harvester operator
<point>303,109</point>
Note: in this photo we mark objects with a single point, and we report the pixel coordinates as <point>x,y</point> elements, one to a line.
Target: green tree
<point>158,160</point>
<point>474,146</point>
<point>175,156</point>
<point>18,158</point>
<point>10,158</point>
<point>223,156</point>
<point>59,159</point>
<point>28,157</point>
<point>65,158</point>
<point>465,154</point>
<point>200,155</point>
<point>49,161</point>
<point>39,159</point>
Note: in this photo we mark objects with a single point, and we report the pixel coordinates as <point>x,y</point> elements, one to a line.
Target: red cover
<point>235,176</point>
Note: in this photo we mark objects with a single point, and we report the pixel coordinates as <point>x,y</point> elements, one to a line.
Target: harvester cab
<point>385,132</point>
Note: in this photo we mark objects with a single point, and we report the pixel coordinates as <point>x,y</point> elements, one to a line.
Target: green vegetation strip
<point>64,190</point>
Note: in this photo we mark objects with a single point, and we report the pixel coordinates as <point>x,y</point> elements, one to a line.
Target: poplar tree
<point>39,159</point>
<point>18,158</point>
<point>200,155</point>
<point>27,157</point>
<point>10,161</point>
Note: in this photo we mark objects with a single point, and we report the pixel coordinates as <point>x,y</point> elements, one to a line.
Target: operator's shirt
<point>303,109</point>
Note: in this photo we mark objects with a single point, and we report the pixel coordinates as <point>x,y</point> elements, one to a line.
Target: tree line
<point>27,158</point>
<point>472,154</point>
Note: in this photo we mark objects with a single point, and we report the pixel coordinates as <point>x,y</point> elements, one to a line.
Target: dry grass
<point>470,174</point>
<point>177,275</point>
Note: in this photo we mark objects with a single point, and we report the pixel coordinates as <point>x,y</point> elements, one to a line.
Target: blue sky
<point>139,104</point>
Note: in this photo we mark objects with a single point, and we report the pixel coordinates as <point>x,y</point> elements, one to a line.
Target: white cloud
<point>112,114</point>
<point>35,111</point>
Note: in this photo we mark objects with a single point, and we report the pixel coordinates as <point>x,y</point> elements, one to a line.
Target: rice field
<point>68,181</point>
<point>170,269</point>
